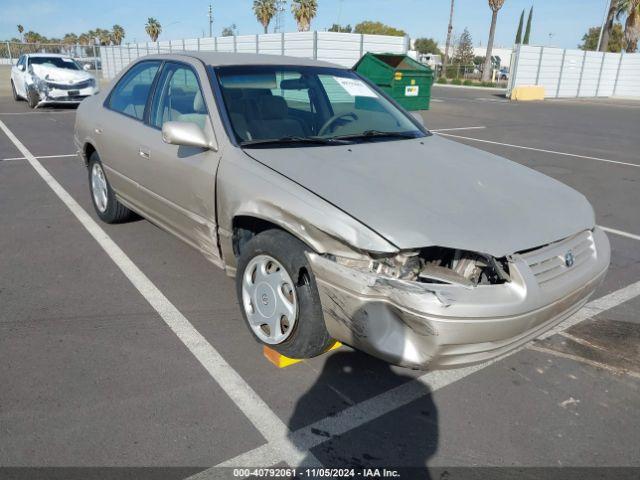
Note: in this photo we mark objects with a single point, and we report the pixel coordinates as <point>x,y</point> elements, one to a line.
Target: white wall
<point>341,48</point>
<point>576,73</point>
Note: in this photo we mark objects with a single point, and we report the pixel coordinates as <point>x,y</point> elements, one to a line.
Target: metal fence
<point>11,51</point>
<point>341,48</point>
<point>576,73</point>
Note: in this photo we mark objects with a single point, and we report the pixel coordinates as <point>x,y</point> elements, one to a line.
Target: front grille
<point>75,86</point>
<point>550,262</point>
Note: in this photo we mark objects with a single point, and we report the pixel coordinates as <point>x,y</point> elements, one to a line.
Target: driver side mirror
<point>418,117</point>
<point>186,134</point>
<point>86,67</point>
<point>21,68</point>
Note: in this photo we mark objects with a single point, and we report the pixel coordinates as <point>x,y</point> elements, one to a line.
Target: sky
<point>556,22</point>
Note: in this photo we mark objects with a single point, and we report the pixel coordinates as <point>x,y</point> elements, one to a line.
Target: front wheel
<point>32,97</point>
<point>279,297</point>
<point>107,206</point>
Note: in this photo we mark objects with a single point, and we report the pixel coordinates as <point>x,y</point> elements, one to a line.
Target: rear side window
<point>132,91</point>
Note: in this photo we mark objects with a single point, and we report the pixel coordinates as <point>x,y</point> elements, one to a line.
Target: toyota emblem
<point>569,259</point>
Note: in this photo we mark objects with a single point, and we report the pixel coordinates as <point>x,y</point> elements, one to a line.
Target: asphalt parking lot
<point>93,374</point>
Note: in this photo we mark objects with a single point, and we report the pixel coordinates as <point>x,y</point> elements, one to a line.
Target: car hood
<point>435,192</point>
<point>61,75</point>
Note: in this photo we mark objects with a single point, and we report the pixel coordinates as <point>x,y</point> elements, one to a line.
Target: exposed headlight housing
<point>436,265</point>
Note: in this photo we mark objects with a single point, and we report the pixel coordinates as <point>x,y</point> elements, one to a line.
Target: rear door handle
<point>144,152</point>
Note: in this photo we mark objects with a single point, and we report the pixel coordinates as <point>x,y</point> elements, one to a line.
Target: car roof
<point>229,59</point>
<point>56,55</point>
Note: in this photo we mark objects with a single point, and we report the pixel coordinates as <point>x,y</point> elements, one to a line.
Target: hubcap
<point>99,187</point>
<point>269,299</point>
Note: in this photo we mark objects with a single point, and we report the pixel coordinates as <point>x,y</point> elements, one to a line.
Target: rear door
<point>178,182</point>
<point>119,128</point>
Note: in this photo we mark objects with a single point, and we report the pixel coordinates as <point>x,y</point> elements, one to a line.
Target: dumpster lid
<point>397,61</point>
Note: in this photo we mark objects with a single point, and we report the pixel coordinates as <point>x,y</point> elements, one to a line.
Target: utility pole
<point>281,6</point>
<point>210,15</point>
<point>448,43</point>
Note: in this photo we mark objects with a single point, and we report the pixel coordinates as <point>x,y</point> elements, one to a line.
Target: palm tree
<point>304,11</point>
<point>153,28</point>
<point>495,6</point>
<point>264,11</point>
<point>630,8</point>
<point>20,30</point>
<point>608,26</point>
<point>117,34</point>
<point>448,44</point>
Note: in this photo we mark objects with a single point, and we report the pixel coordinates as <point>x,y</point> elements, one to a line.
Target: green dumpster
<point>408,82</point>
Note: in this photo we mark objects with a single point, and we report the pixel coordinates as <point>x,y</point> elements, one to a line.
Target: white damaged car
<point>46,78</point>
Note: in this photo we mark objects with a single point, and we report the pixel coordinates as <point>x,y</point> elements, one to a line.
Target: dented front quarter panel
<point>248,188</point>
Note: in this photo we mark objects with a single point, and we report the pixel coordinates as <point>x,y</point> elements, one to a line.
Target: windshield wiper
<point>367,134</point>
<point>293,140</point>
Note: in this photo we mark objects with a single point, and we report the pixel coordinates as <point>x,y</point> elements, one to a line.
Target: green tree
<point>230,31</point>
<point>340,28</point>
<point>520,25</point>
<point>495,6</point>
<point>153,29</point>
<point>464,50</point>
<point>304,11</point>
<point>117,34</point>
<point>264,11</point>
<point>630,9</point>
<point>378,28</point>
<point>527,33</point>
<point>614,43</point>
<point>20,30</point>
<point>427,45</point>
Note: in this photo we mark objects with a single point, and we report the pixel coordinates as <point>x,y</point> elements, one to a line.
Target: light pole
<point>210,15</point>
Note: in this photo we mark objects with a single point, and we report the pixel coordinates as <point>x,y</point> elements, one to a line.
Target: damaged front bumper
<point>425,325</point>
<point>54,93</point>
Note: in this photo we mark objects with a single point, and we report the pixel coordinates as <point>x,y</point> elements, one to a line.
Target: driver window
<point>178,98</point>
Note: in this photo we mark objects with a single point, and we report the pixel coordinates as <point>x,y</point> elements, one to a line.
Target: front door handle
<point>144,152</point>
<point>98,131</point>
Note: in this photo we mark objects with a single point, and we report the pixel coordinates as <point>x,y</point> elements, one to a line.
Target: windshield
<point>271,105</point>
<point>57,62</point>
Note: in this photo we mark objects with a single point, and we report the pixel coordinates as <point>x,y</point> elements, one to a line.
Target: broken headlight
<point>437,265</point>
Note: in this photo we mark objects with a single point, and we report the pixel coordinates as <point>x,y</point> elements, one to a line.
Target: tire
<point>16,97</point>
<point>32,97</point>
<point>105,203</point>
<point>307,337</point>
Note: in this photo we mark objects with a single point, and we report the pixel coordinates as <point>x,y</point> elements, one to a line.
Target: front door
<point>178,184</point>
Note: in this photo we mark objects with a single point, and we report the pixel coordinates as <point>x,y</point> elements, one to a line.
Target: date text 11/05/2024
<point>316,472</point>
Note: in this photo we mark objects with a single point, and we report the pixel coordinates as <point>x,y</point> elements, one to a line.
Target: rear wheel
<point>279,297</point>
<point>107,206</point>
<point>14,92</point>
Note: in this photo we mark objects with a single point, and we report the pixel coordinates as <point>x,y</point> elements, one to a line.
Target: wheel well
<point>88,151</point>
<point>245,228</point>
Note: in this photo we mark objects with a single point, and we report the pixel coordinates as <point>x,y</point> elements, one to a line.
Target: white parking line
<point>620,232</point>
<point>458,128</point>
<point>375,407</point>
<point>12,159</point>
<point>246,399</point>
<point>540,150</point>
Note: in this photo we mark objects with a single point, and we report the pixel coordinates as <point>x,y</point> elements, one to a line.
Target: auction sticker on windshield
<point>355,87</point>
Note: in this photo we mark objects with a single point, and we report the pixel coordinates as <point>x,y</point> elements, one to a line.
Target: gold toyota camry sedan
<point>339,214</point>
